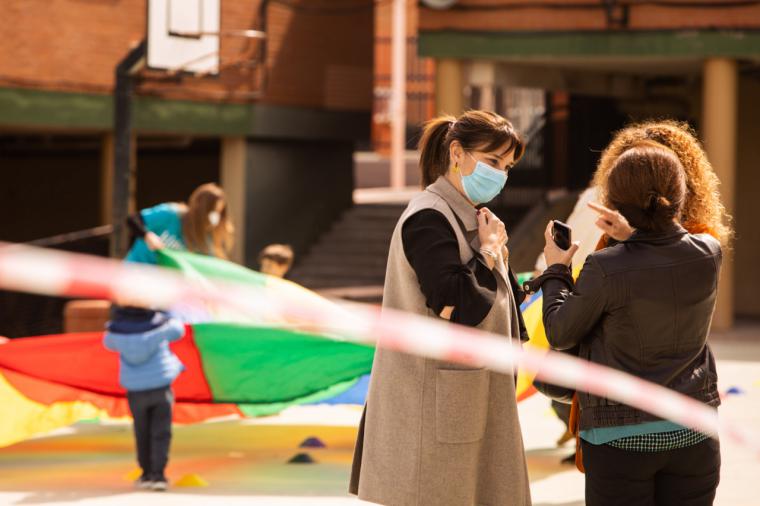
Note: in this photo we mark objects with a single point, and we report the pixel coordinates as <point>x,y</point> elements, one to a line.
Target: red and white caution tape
<point>23,268</point>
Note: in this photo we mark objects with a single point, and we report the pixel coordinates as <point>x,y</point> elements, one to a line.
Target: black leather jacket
<point>643,306</point>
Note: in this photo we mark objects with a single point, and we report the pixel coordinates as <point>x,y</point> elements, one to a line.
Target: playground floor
<point>246,462</point>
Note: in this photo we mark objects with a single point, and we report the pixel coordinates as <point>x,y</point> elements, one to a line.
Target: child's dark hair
<point>647,184</point>
<point>475,130</point>
<point>278,253</point>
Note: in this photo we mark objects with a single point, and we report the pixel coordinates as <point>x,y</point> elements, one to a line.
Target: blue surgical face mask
<point>484,184</point>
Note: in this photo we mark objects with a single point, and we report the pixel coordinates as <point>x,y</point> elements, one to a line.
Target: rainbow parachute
<point>234,367</point>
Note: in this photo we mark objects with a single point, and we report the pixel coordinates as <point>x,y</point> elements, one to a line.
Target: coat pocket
<point>461,405</point>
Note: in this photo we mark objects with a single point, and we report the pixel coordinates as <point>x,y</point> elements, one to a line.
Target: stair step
<point>377,210</point>
<point>336,282</point>
<point>359,227</point>
<point>353,253</point>
<point>354,248</point>
<point>371,219</point>
<point>366,234</point>
<point>332,267</point>
<point>339,270</point>
<point>343,258</point>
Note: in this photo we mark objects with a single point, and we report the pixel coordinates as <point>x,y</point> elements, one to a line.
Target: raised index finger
<point>601,209</point>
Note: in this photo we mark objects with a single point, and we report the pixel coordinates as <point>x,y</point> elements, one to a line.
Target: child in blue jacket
<point>147,369</point>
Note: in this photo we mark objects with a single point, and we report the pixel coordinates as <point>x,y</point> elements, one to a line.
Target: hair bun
<point>656,202</point>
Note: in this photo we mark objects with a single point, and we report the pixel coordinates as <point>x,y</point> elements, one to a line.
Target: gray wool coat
<point>439,433</point>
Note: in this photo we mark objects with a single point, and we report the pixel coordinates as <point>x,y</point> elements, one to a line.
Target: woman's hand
<point>447,312</point>
<point>612,222</point>
<point>553,253</point>
<point>492,234</point>
<point>491,231</point>
<point>153,241</point>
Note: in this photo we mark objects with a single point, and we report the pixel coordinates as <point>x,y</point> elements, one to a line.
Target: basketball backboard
<point>183,35</point>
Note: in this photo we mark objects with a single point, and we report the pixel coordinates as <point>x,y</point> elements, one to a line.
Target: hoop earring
<point>456,168</point>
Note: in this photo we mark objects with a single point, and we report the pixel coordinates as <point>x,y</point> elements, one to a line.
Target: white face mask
<point>214,218</point>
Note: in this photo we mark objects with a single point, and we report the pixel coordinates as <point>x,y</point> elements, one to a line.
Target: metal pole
<point>398,96</point>
<point>122,163</point>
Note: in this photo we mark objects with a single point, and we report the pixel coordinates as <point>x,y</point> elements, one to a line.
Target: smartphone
<point>561,233</point>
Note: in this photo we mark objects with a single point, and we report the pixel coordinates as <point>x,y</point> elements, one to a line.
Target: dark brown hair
<point>647,184</point>
<point>475,130</point>
<point>278,253</point>
<point>196,229</point>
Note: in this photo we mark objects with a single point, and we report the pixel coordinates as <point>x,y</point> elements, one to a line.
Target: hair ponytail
<point>434,148</point>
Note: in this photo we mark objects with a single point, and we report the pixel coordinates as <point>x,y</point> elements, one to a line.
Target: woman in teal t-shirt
<point>202,226</point>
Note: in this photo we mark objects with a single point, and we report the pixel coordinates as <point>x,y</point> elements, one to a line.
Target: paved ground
<point>246,463</point>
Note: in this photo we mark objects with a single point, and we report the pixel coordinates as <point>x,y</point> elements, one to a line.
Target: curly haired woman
<point>703,210</point>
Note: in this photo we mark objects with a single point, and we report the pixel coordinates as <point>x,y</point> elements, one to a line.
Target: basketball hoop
<point>183,35</point>
<point>248,34</point>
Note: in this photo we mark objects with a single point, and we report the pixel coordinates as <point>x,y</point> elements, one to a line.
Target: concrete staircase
<point>349,260</point>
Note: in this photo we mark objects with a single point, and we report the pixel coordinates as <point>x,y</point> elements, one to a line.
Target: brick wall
<point>521,15</point>
<point>420,77</point>
<point>315,58</point>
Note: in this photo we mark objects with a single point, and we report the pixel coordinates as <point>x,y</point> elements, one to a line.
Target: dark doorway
<point>169,169</point>
<point>592,123</point>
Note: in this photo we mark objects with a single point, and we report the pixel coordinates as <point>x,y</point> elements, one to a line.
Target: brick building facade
<point>280,119</point>
<point>603,64</point>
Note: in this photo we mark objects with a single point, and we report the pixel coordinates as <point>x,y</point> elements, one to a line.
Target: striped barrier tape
<point>28,269</point>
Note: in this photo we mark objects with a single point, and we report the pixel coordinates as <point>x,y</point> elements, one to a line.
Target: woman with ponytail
<point>434,432</point>
<point>642,305</point>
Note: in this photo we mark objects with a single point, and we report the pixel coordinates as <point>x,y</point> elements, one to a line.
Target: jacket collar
<point>465,212</point>
<point>668,235</point>
<point>456,201</point>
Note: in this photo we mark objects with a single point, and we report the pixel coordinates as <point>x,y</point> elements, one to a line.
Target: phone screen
<point>561,234</point>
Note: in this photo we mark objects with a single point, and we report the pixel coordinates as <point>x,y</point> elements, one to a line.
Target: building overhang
<point>34,109</point>
<point>591,46</point>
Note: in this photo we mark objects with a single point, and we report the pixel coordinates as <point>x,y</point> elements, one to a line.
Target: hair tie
<point>652,202</point>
